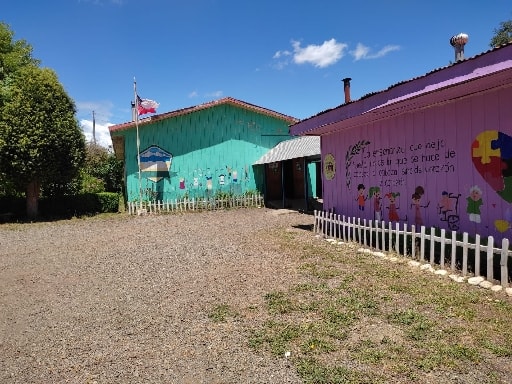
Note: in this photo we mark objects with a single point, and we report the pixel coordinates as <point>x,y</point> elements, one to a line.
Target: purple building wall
<point>445,167</point>
<point>433,151</point>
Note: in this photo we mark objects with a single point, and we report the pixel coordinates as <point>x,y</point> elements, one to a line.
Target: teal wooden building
<point>200,151</point>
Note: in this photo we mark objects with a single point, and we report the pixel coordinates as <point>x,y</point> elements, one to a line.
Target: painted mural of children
<point>474,202</point>
<point>377,208</point>
<point>416,199</point>
<point>209,181</point>
<point>361,198</point>
<point>393,209</point>
<point>445,204</point>
<point>418,220</point>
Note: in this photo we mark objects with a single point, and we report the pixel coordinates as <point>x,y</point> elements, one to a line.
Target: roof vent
<point>458,42</point>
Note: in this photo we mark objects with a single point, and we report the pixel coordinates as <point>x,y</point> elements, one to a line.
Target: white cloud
<point>102,115</point>
<point>362,52</point>
<point>329,53</point>
<point>215,94</point>
<point>193,94</point>
<point>102,2</point>
<point>280,54</point>
<point>101,132</point>
<point>320,56</point>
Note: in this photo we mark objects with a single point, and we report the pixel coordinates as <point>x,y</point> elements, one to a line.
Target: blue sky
<point>287,56</point>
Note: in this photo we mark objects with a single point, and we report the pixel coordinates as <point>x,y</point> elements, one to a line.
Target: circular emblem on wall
<point>329,166</point>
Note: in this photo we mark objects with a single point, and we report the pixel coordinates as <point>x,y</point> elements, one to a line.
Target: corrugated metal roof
<point>304,146</point>
<point>184,111</point>
<point>460,73</point>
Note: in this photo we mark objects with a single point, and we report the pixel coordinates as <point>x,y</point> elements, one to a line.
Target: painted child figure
<point>474,202</point>
<point>445,204</point>
<point>361,198</point>
<point>377,206</point>
<point>393,209</point>
<point>416,198</point>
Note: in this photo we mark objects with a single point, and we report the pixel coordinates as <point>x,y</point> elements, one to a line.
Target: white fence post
<point>443,244</point>
<point>377,235</point>
<point>351,229</point>
<point>404,250</point>
<point>454,250</point>
<point>383,236</point>
<point>464,254</point>
<point>422,244</point>
<point>397,240</point>
<point>490,258</point>
<point>477,255</point>
<point>413,242</point>
<point>370,227</point>
<point>432,245</point>
<point>504,262</point>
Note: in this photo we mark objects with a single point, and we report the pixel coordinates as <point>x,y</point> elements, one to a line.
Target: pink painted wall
<point>419,163</point>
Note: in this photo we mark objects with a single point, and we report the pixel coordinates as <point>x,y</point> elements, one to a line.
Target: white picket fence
<point>420,245</point>
<point>182,205</point>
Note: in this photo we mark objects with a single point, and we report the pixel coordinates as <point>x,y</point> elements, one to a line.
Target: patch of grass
<point>313,372</point>
<point>417,326</point>
<point>368,351</point>
<point>316,345</point>
<point>338,317</point>
<point>359,319</point>
<point>277,336</point>
<point>322,272</point>
<point>500,350</point>
<point>279,303</point>
<point>310,287</point>
<point>221,312</point>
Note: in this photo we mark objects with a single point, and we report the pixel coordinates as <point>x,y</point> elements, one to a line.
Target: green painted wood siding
<point>219,143</point>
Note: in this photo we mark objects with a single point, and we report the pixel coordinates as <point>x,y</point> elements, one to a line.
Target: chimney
<point>458,42</point>
<point>346,89</point>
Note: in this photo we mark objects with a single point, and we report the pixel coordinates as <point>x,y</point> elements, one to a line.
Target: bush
<point>85,204</point>
<point>91,184</point>
<point>109,201</point>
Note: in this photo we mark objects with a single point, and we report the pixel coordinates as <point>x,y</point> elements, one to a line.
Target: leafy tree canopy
<point>502,35</point>
<point>40,139</point>
<point>14,55</point>
<point>103,165</point>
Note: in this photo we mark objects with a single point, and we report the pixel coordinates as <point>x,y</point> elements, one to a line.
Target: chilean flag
<point>146,106</point>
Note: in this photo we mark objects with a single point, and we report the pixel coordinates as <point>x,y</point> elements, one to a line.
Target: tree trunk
<point>33,189</point>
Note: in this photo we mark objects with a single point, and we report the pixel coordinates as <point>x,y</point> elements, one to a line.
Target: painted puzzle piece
<point>482,146</point>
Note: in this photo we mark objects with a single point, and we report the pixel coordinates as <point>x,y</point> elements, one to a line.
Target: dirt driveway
<point>130,299</point>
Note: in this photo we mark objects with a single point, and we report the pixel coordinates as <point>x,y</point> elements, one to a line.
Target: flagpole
<point>138,140</point>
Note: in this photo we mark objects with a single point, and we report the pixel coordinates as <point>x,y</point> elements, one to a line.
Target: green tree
<point>102,165</point>
<point>14,55</point>
<point>41,142</point>
<point>502,35</point>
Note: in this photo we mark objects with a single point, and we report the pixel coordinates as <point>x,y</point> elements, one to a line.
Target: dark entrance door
<point>274,181</point>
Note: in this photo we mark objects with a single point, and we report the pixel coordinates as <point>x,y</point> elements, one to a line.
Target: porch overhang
<point>306,146</point>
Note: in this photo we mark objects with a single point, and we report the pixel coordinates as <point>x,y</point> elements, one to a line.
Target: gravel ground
<point>127,299</point>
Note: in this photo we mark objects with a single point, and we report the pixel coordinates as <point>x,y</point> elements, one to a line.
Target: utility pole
<point>93,128</point>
